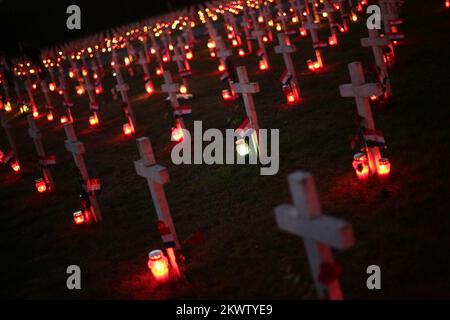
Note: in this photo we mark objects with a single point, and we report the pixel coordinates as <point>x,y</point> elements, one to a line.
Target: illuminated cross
<point>258,33</point>
<point>320,233</point>
<point>48,101</point>
<point>180,58</point>
<point>280,16</point>
<point>123,88</point>
<point>143,62</point>
<point>157,176</point>
<point>77,149</point>
<point>312,27</point>
<point>63,86</point>
<point>362,91</point>
<point>390,12</point>
<point>172,89</point>
<point>155,46</point>
<point>30,96</point>
<point>93,104</point>
<point>36,135</point>
<point>286,49</point>
<point>247,89</point>
<point>377,43</point>
<point>330,10</point>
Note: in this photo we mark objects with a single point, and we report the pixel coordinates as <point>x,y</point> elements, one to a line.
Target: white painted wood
<point>77,149</point>
<point>361,91</point>
<point>156,177</point>
<point>319,232</point>
<point>36,135</point>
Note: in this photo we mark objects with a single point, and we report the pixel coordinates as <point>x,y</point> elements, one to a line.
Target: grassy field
<point>402,226</point>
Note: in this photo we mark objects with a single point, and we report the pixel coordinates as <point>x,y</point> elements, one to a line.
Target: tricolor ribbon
<point>166,235</point>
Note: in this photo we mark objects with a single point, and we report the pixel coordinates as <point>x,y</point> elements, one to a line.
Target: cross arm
<point>154,173</point>
<point>375,42</point>
<point>246,87</point>
<point>330,231</point>
<point>75,147</point>
<point>365,90</point>
<point>285,49</point>
<point>169,87</point>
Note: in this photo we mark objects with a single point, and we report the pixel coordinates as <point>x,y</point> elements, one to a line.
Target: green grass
<point>402,226</point>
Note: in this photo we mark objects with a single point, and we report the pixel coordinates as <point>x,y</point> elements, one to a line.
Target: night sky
<point>42,23</point>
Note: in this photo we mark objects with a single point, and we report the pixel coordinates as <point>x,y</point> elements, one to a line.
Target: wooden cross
<point>244,24</point>
<point>157,49</point>
<point>130,50</point>
<point>77,149</point>
<point>143,62</point>
<point>286,49</point>
<point>362,91</point>
<point>48,101</point>
<point>390,11</point>
<point>180,58</point>
<point>93,105</point>
<point>157,176</point>
<point>312,28</point>
<point>377,43</point>
<point>330,10</point>
<point>281,17</point>
<point>32,102</point>
<point>320,232</point>
<point>247,89</point>
<point>172,89</point>
<point>258,33</point>
<point>36,135</point>
<point>123,88</point>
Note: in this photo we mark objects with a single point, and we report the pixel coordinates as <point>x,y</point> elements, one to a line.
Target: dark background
<point>42,23</point>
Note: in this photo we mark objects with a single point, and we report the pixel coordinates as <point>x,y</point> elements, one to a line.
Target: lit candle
<point>361,166</point>
<point>384,168</point>
<point>127,129</point>
<point>159,266</point>
<point>50,116</point>
<point>41,186</point>
<point>15,166</point>
<point>79,217</point>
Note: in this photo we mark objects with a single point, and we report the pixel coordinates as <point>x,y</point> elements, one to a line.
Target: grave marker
<point>88,197</point>
<point>157,176</point>
<point>320,233</point>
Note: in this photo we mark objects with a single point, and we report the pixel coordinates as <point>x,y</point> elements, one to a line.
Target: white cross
<point>30,96</point>
<point>286,50</point>
<point>77,149</point>
<point>143,62</point>
<point>89,88</point>
<point>362,91</point>
<point>377,43</point>
<point>157,50</point>
<point>157,176</point>
<point>320,233</point>
<point>36,135</point>
<point>247,89</point>
<point>123,88</point>
<point>172,89</point>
